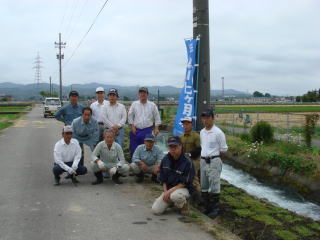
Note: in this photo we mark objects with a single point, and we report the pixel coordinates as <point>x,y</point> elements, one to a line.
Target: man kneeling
<point>176,175</point>
<point>146,159</point>
<point>67,154</point>
<point>108,157</point>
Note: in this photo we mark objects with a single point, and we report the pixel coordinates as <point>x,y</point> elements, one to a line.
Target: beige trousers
<point>178,198</point>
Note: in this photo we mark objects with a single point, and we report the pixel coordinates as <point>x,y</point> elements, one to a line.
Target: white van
<point>50,106</point>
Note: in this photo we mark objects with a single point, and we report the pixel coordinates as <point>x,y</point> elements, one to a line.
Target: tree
<point>257,94</point>
<point>267,95</point>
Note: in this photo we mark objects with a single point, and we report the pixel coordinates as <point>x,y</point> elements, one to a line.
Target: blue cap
<point>149,137</point>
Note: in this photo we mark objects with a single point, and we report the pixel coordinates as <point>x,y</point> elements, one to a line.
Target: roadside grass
<point>252,218</point>
<point>6,120</point>
<point>14,108</point>
<point>288,156</point>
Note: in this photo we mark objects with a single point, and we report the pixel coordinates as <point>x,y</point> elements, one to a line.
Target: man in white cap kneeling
<point>108,157</point>
<point>67,154</point>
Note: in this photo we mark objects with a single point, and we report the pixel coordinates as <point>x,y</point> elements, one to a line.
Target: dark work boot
<point>197,198</point>
<point>154,178</point>
<point>115,178</point>
<point>99,179</point>
<point>56,180</point>
<point>74,179</point>
<point>140,177</point>
<point>205,198</point>
<point>214,205</point>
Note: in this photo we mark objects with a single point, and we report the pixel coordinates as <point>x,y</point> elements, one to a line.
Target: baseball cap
<point>143,89</point>
<point>99,89</point>
<point>174,140</point>
<point>113,91</point>
<point>67,129</point>
<point>207,113</point>
<point>186,119</point>
<point>149,137</point>
<point>73,93</point>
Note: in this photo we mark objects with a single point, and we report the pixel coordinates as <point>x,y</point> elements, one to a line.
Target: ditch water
<point>251,185</point>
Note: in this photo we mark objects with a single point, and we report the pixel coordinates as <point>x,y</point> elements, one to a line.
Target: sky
<point>268,46</point>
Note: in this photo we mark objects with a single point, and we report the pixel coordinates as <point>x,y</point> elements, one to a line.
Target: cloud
<point>269,46</point>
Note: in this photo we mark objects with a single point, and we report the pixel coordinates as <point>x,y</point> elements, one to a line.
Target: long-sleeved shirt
<point>64,153</point>
<point>87,133</point>
<point>191,143</point>
<point>67,113</point>
<point>174,172</point>
<point>213,142</point>
<point>110,156</point>
<point>97,110</point>
<point>151,157</point>
<point>115,114</point>
<point>143,115</point>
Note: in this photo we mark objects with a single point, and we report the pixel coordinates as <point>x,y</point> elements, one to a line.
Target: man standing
<point>86,130</point>
<point>142,115</point>
<point>146,159</point>
<point>191,145</point>
<point>213,144</point>
<point>115,115</point>
<point>67,113</point>
<point>97,107</point>
<point>67,154</point>
<point>176,175</point>
<point>108,157</point>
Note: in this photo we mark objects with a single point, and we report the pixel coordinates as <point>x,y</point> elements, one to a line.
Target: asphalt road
<point>32,208</point>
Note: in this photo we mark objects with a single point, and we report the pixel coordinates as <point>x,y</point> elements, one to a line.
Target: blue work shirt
<point>67,113</point>
<point>173,172</point>
<point>152,157</point>
<point>87,133</point>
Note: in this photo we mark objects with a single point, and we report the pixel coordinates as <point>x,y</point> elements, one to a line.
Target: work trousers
<point>138,138</point>
<point>111,168</point>
<point>210,175</point>
<point>136,168</point>
<point>57,170</point>
<point>178,197</point>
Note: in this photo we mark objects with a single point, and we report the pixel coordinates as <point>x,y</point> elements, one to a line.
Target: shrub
<point>310,127</point>
<point>262,131</point>
<point>245,137</point>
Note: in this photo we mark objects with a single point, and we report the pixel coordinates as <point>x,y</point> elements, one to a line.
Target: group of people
<point>191,168</point>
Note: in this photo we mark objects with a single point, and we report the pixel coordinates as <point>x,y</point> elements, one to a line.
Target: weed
<point>305,232</point>
<point>285,235</point>
<point>267,220</point>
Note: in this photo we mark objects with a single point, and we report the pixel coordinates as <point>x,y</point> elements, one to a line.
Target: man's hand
<point>71,171</point>
<point>115,129</point>
<point>156,169</point>
<point>133,129</point>
<point>156,131</point>
<point>166,196</point>
<point>144,166</point>
<point>101,165</point>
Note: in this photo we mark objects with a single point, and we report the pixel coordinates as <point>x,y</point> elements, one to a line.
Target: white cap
<point>186,119</point>
<point>99,89</point>
<point>67,129</point>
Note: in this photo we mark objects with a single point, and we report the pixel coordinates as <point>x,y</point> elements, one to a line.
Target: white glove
<point>71,171</point>
<point>101,165</point>
<point>119,165</point>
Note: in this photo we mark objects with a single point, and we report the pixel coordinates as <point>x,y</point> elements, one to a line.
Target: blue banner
<point>186,106</point>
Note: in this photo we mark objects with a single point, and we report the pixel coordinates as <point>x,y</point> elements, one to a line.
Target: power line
<point>85,35</point>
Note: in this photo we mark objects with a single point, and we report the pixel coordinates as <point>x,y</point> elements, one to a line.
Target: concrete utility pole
<point>60,56</point>
<point>201,29</point>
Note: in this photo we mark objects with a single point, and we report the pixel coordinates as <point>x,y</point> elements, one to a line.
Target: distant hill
<point>31,91</point>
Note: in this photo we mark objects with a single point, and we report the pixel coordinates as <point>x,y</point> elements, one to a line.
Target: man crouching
<point>108,157</point>
<point>176,175</point>
<point>67,154</point>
